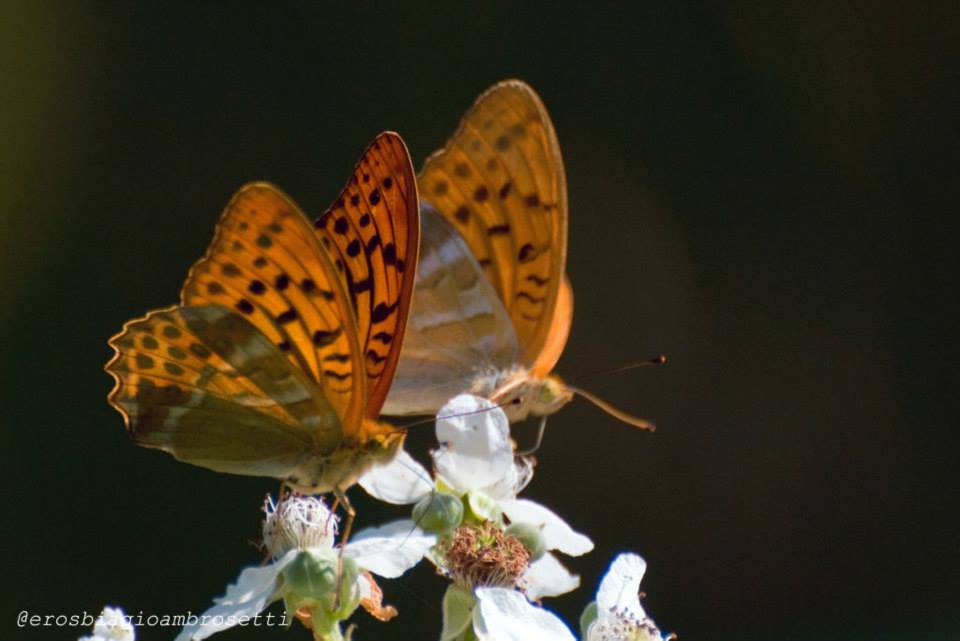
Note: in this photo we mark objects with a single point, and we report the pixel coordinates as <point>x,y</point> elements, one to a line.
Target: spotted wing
<point>458,333</point>
<point>373,232</point>
<point>205,385</point>
<point>500,181</point>
<point>266,264</point>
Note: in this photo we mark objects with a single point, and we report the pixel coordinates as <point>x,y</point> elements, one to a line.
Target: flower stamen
<point>484,556</point>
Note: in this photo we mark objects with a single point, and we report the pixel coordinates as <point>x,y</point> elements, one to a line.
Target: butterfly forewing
<point>500,181</point>
<point>372,231</point>
<point>266,265</point>
<point>205,385</point>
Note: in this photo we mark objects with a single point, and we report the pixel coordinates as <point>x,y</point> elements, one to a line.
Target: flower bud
<point>312,575</point>
<point>312,580</point>
<point>438,513</point>
<point>482,507</point>
<point>531,536</point>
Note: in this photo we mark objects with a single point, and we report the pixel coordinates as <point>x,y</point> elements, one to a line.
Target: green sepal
<point>458,606</point>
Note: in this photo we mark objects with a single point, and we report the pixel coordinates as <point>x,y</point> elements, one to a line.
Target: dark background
<point>764,194</point>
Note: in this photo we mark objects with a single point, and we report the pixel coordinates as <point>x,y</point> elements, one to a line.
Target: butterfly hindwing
<point>266,265</point>
<point>373,232</point>
<point>205,385</point>
<point>458,329</point>
<point>500,181</point>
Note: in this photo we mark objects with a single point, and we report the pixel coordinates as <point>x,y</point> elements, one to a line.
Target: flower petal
<point>391,549</point>
<point>402,481</point>
<point>505,615</point>
<point>557,534</point>
<point>475,451</point>
<point>548,577</point>
<point>620,587</point>
<point>248,597</point>
<point>516,478</point>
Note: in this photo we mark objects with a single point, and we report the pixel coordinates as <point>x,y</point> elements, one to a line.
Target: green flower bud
<point>438,513</point>
<point>482,508</point>
<point>312,579</point>
<point>531,536</point>
<point>312,575</point>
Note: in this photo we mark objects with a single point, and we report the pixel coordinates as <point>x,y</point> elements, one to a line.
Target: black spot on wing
<point>322,338</point>
<point>374,357</point>
<point>390,254</point>
<point>530,297</point>
<point>382,312</point>
<point>527,253</point>
<point>287,317</point>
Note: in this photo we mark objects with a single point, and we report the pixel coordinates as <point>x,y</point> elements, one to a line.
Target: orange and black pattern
<point>500,181</point>
<point>372,231</point>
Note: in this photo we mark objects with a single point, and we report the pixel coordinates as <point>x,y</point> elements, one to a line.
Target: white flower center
<point>297,522</point>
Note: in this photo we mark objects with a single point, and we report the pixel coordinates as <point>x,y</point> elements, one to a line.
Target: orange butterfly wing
<point>500,181</point>
<point>558,332</point>
<point>373,232</point>
<point>265,264</point>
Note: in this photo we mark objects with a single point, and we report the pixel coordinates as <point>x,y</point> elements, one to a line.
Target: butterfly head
<point>548,395</point>
<point>523,394</point>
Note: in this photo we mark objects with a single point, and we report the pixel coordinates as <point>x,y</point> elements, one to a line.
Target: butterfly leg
<point>341,498</point>
<point>536,444</point>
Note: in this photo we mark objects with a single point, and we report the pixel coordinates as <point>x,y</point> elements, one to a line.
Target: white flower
<point>618,613</point>
<point>111,625</point>
<point>498,614</point>
<point>505,615</point>
<point>306,570</point>
<point>476,461</point>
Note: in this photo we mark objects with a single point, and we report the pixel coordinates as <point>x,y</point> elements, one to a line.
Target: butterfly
<point>492,306</point>
<point>279,356</point>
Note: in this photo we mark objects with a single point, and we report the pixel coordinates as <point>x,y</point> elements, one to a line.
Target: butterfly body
<point>277,359</point>
<point>327,472</point>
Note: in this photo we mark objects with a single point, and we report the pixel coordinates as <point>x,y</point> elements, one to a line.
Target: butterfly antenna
<point>432,419</point>
<point>613,411</point>
<point>656,360</point>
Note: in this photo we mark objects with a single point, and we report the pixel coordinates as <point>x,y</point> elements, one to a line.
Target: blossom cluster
<point>499,552</point>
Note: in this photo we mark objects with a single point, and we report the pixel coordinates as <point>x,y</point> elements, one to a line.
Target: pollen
<point>484,555</point>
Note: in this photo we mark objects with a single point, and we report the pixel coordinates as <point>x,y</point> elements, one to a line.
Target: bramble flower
<point>316,584</point>
<point>617,615</point>
<point>475,463</point>
<point>497,614</point>
<point>111,625</point>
